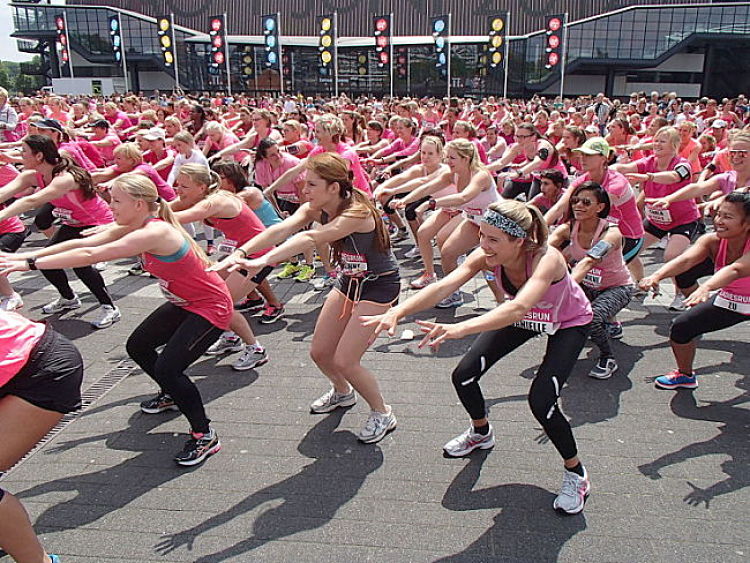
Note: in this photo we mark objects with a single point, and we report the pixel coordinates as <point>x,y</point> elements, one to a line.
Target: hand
<point>658,202</point>
<point>697,496</point>
<point>174,541</point>
<point>437,333</point>
<point>387,321</point>
<point>398,204</point>
<point>637,178</point>
<point>248,160</point>
<point>94,230</point>
<point>229,264</point>
<point>214,157</point>
<point>649,283</point>
<point>699,296</point>
<point>253,266</point>
<point>8,265</point>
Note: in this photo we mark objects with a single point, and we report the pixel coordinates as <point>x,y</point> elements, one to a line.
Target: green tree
<point>5,81</point>
<point>26,83</point>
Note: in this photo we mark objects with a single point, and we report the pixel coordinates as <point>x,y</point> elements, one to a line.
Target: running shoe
<point>249,305</point>
<point>614,330</point>
<point>465,443</point>
<point>271,314</point>
<point>662,244</point>
<point>198,448</point>
<point>677,304</point>
<point>455,299</point>
<point>376,427</point>
<point>423,281</point>
<point>253,356</point>
<point>675,379</point>
<point>399,235</point>
<point>136,269</point>
<point>604,368</point>
<point>332,400</point>
<point>573,493</point>
<point>161,403</point>
<point>11,303</point>
<point>100,266</point>
<point>53,558</point>
<point>288,271</point>
<point>108,315</point>
<point>225,345</point>
<point>305,274</point>
<point>413,253</point>
<point>328,280</point>
<point>61,304</point>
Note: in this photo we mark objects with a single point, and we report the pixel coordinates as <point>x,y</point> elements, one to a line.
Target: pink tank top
<point>184,281</point>
<point>18,336</point>
<point>79,157</point>
<point>166,192</point>
<point>238,230</point>
<point>563,305</point>
<point>75,211</point>
<point>474,209</point>
<point>610,271</point>
<point>680,212</point>
<point>736,295</point>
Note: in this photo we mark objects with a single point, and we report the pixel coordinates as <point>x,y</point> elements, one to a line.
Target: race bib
<point>660,216</point>
<point>593,278</point>
<point>65,215</point>
<point>353,264</point>
<point>733,302</point>
<point>288,196</point>
<point>539,320</point>
<point>473,214</point>
<point>227,246</point>
<point>169,296</point>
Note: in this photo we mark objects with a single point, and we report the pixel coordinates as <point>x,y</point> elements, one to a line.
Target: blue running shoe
<point>675,379</point>
<point>54,559</point>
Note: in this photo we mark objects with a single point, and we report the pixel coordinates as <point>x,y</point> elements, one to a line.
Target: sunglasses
<point>586,202</point>
<point>739,152</point>
<point>523,136</point>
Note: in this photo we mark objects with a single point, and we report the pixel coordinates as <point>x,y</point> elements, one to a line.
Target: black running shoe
<point>162,402</point>
<point>198,448</point>
<point>250,305</point>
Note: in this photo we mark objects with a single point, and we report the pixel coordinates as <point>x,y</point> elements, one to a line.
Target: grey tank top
<point>360,254</point>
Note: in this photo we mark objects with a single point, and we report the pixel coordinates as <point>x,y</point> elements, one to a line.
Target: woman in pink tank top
<point>129,158</point>
<point>200,199</point>
<point>69,188</point>
<point>543,299</point>
<point>40,381</point>
<point>199,306</point>
<point>593,248</point>
<point>723,300</point>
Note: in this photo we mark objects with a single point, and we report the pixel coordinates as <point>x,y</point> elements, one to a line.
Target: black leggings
<point>689,278</point>
<point>562,352</point>
<point>186,337</point>
<point>513,189</point>
<point>88,275</point>
<point>701,319</point>
<point>410,211</point>
<point>44,219</point>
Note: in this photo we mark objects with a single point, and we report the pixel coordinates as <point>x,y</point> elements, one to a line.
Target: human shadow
<point>114,487</point>
<point>526,528</point>
<point>309,499</point>
<point>732,441</point>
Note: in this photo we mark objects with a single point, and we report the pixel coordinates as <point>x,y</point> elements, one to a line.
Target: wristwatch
<point>32,263</point>
<point>432,204</point>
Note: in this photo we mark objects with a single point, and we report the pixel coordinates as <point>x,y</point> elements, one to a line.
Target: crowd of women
<point>550,201</point>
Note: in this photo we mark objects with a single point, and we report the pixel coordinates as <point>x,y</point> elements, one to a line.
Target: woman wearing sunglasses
<point>593,248</point>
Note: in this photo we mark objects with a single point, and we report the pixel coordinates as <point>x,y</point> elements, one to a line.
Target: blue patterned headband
<point>509,226</point>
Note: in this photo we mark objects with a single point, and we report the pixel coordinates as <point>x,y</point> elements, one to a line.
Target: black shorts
<point>51,378</point>
<point>10,242</point>
<point>286,206</point>
<point>631,247</point>
<point>383,289</point>
<point>688,230</point>
<point>258,278</point>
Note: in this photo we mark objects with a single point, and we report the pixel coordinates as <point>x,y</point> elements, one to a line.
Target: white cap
<point>719,123</point>
<point>155,133</point>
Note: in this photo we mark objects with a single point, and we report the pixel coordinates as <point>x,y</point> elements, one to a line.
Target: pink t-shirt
<point>18,336</point>
<point>360,178</point>
<point>227,140</point>
<point>401,149</point>
<point>151,158</point>
<point>108,152</point>
<point>120,115</point>
<point>265,176</point>
<point>166,192</point>
<point>11,224</point>
<point>95,156</point>
<point>680,212</point>
<point>78,156</point>
<point>624,206</point>
<point>727,181</point>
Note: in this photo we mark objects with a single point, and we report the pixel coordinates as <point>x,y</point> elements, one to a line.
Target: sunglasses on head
<point>738,152</point>
<point>586,202</point>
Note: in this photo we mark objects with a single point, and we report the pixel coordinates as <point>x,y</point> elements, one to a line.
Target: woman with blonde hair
<point>218,137</point>
<point>368,283</point>
<point>129,158</point>
<point>198,306</point>
<point>543,298</point>
<point>262,128</point>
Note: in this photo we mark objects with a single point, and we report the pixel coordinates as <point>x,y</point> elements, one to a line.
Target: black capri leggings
<point>563,349</point>
<point>701,319</point>
<point>185,336</point>
<point>410,211</point>
<point>44,219</point>
<point>88,275</point>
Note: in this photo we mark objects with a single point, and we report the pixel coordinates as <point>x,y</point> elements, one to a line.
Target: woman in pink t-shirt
<point>219,137</point>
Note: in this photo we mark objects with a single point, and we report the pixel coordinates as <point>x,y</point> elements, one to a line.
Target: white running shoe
<point>108,315</point>
<point>465,443</point>
<point>11,303</point>
<point>225,345</point>
<point>100,266</point>
<point>326,281</point>
<point>573,493</point>
<point>253,356</point>
<point>61,304</point>
<point>413,253</point>
<point>331,400</point>
<point>376,427</point>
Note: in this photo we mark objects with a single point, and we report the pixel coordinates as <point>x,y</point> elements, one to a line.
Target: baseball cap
<point>719,123</point>
<point>49,124</point>
<point>595,145</point>
<point>592,129</point>
<point>103,123</point>
<point>155,133</point>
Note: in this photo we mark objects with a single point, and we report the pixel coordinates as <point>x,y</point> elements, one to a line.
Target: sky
<point>8,51</point>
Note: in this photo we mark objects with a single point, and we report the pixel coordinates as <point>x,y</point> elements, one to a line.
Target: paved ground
<point>670,470</point>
